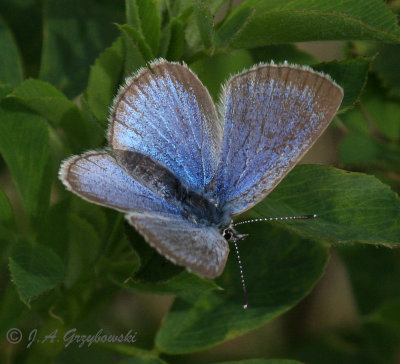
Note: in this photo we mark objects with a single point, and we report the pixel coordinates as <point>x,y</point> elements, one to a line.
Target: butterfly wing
<point>273,115</point>
<point>168,115</point>
<point>200,249</point>
<point>96,177</point>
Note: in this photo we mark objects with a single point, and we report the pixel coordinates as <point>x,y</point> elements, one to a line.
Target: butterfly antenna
<point>303,217</point>
<point>245,301</point>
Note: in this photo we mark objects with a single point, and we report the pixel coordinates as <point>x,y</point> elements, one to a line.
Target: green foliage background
<point>68,264</point>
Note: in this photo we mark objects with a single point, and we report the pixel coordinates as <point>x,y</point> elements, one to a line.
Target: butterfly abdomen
<point>150,174</point>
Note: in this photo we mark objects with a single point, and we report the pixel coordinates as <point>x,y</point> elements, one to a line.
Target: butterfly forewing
<point>273,115</point>
<point>167,114</point>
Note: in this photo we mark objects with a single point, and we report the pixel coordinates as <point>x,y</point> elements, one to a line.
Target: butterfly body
<point>181,171</point>
<point>159,179</point>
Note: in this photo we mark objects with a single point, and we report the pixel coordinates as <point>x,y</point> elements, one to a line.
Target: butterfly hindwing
<point>273,114</point>
<point>201,249</point>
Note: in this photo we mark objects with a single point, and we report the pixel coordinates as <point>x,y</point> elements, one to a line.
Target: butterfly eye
<point>227,234</point>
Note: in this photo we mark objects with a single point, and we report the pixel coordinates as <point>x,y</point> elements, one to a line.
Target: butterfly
<point>182,169</point>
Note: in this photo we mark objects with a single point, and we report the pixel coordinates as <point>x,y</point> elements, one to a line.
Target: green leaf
<point>306,20</point>
<point>142,361</point>
<point>176,42</point>
<point>24,145</point>
<point>350,206</point>
<point>143,16</point>
<point>188,18</point>
<point>104,79</point>
<point>137,355</point>
<point>135,37</point>
<point>165,40</point>
<point>205,24</point>
<point>39,96</point>
<point>149,15</point>
<point>261,361</point>
<point>34,269</point>
<point>177,7</point>
<point>183,283</point>
<point>231,29</point>
<point>351,74</point>
<point>10,61</point>
<point>132,14</point>
<point>75,32</point>
<point>279,269</point>
<point>180,7</point>
<point>137,52</point>
<point>51,104</point>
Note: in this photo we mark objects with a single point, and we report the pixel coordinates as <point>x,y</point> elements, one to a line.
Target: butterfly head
<point>231,234</point>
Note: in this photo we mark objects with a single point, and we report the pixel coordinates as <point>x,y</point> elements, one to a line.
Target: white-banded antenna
<point>245,301</point>
<point>303,217</point>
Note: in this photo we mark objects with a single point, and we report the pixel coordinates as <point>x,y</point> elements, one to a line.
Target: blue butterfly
<point>181,169</point>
